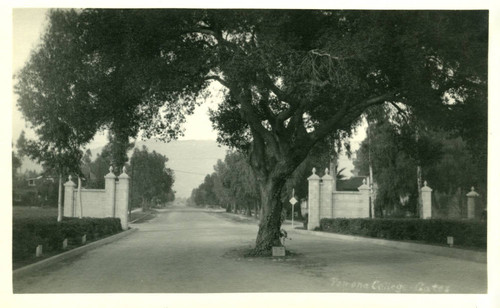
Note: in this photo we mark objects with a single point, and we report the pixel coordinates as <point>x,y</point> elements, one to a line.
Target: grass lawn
<point>33,211</point>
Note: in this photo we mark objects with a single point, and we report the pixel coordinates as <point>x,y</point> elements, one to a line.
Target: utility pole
<point>372,210</point>
<point>59,199</point>
<point>80,196</point>
<point>419,180</point>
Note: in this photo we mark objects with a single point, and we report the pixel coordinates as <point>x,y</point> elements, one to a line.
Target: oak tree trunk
<point>270,220</point>
<point>271,172</point>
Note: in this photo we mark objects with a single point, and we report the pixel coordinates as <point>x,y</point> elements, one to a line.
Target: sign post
<point>293,201</point>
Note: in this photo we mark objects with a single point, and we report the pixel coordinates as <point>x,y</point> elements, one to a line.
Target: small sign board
<point>278,251</point>
<point>293,200</point>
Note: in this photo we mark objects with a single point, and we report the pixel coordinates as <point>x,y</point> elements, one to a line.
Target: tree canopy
<point>447,163</point>
<point>291,78</point>
<point>152,180</point>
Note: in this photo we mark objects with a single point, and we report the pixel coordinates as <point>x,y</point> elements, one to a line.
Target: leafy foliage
<point>433,231</point>
<point>152,180</point>
<point>395,151</point>
<point>27,233</point>
<point>16,163</point>
<point>233,186</point>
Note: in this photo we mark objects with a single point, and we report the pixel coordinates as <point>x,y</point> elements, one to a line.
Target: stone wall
<point>112,201</point>
<point>325,202</point>
<point>349,204</point>
<point>93,201</point>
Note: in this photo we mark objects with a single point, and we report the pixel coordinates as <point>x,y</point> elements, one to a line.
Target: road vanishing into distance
<point>187,250</point>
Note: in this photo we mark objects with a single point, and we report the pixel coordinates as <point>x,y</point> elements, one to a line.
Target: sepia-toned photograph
<point>250,150</point>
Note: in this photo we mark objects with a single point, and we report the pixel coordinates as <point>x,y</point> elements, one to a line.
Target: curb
<point>137,219</point>
<point>475,256</point>
<point>69,254</point>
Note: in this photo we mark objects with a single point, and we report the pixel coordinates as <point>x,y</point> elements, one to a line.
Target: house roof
<point>350,184</point>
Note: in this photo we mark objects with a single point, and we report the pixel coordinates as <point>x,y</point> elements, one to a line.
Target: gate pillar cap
<point>426,188</point>
<point>69,182</point>
<point>313,176</point>
<point>327,176</point>
<point>110,175</point>
<point>472,193</point>
<point>124,175</point>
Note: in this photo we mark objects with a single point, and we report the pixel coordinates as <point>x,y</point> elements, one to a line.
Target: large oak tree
<point>291,78</point>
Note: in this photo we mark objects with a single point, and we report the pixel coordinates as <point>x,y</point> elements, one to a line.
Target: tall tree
<point>291,78</point>
<point>152,180</point>
<point>56,151</point>
<point>16,164</point>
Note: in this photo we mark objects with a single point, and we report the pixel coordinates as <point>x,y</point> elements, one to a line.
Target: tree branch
<point>264,104</point>
<point>346,112</point>
<point>220,80</point>
<point>248,113</point>
<point>282,96</point>
<point>401,111</point>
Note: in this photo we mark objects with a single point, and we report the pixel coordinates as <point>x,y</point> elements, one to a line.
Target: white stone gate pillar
<point>326,206</point>
<point>110,188</point>
<point>426,201</point>
<point>122,196</point>
<point>364,189</point>
<point>313,200</point>
<point>69,191</point>
<point>471,203</point>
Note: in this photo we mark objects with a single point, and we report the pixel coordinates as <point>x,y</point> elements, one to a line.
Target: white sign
<point>279,251</point>
<point>293,201</point>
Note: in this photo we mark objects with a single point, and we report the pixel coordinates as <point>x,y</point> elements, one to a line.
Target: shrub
<point>466,233</point>
<point>27,233</point>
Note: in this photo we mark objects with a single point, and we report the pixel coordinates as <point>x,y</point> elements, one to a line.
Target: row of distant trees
<point>233,186</point>
<point>403,153</point>
<point>151,180</point>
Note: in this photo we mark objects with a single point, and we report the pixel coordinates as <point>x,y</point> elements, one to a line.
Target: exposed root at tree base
<point>255,253</point>
<point>249,253</point>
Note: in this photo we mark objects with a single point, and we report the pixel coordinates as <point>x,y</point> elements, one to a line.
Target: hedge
<point>466,233</point>
<point>27,233</point>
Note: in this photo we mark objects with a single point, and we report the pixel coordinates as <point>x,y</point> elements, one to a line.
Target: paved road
<point>186,250</point>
